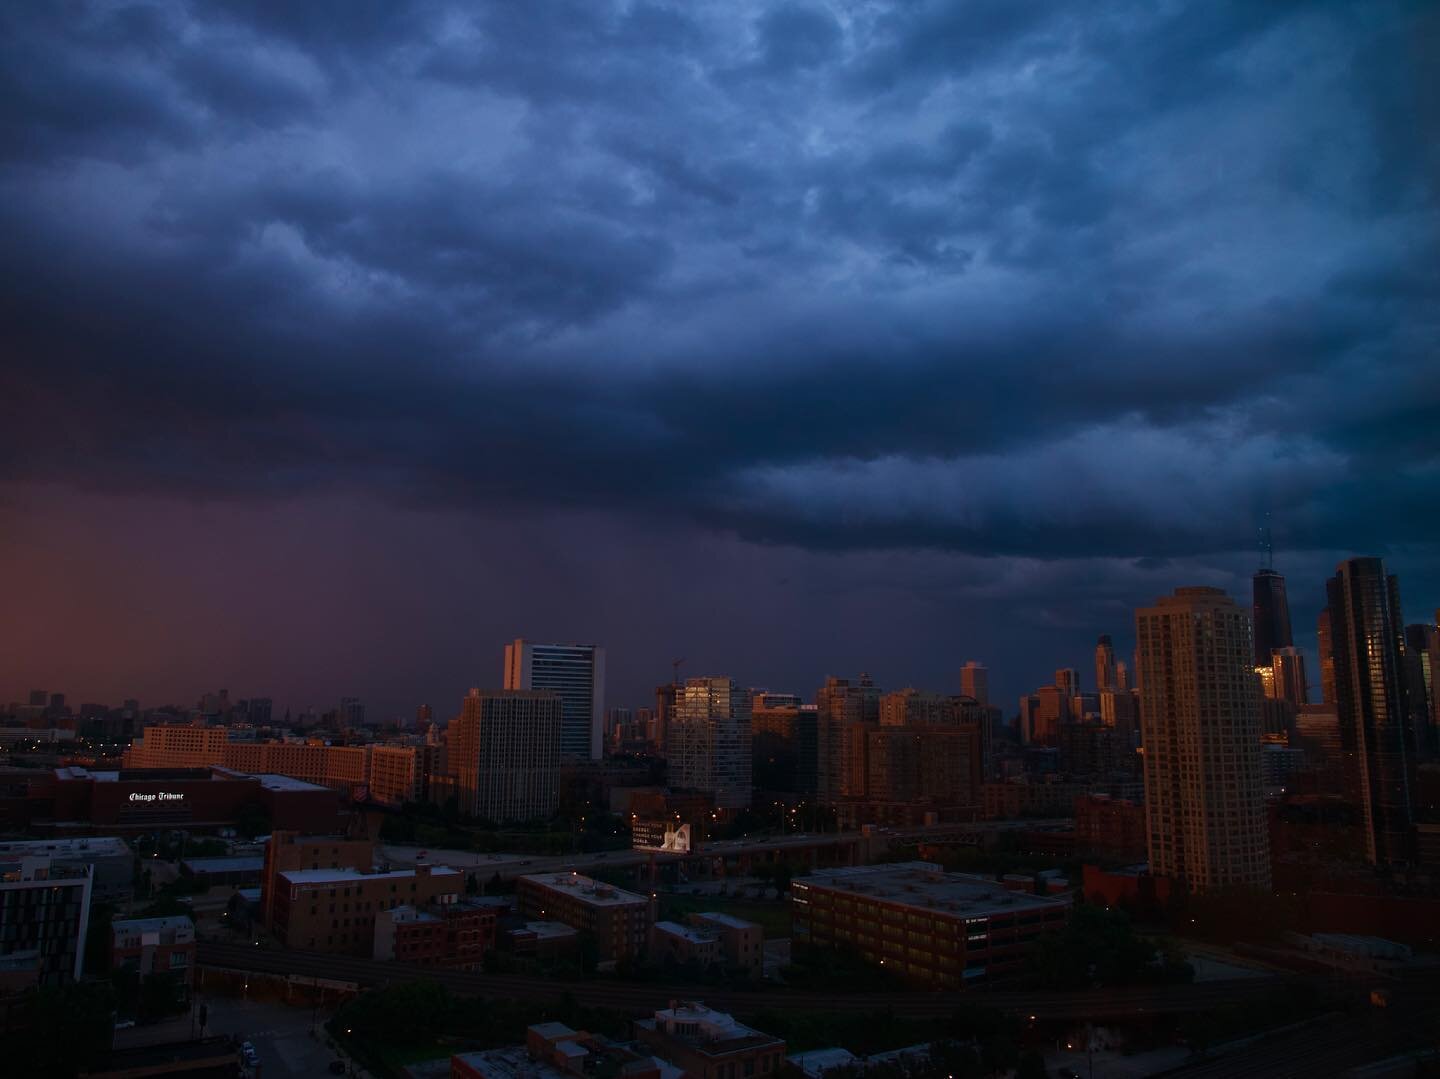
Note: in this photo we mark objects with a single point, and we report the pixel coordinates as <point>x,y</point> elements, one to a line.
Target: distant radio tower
<point>1267,543</point>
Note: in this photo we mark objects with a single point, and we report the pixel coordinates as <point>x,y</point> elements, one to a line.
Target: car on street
<point>248,1054</point>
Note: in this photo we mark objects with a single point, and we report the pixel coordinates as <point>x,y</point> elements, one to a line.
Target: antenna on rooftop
<point>1267,543</point>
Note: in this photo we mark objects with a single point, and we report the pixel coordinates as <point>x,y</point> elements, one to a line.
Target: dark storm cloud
<point>999,278</point>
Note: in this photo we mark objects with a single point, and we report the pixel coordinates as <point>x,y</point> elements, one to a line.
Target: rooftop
<point>351,876</point>
<point>551,930</point>
<point>226,864</point>
<point>705,1029</point>
<point>925,886</point>
<point>407,914</point>
<point>86,846</point>
<point>273,782</point>
<point>152,925</point>
<point>694,936</point>
<point>593,892</point>
<point>727,920</point>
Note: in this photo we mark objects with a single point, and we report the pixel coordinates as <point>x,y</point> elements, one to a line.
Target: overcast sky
<point>344,341</point>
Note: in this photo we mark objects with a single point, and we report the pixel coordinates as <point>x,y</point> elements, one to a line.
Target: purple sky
<point>343,343</point>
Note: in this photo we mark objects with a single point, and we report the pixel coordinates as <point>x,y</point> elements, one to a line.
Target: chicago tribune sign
<point>161,796</point>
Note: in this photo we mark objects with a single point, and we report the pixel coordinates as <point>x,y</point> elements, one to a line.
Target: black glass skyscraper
<point>1271,611</point>
<point>1367,637</point>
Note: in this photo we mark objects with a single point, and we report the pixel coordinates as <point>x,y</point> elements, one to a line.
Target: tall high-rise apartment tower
<point>1368,644</point>
<point>709,741</point>
<point>1200,714</point>
<point>504,750</point>
<point>573,672</point>
<point>1270,610</point>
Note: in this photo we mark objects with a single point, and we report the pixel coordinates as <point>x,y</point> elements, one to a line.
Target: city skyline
<point>901,334</point>
<point>639,689</point>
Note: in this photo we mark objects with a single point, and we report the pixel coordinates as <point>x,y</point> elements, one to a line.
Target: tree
<point>65,1030</point>
<point>97,939</point>
<point>161,996</point>
<point>412,1013</point>
<point>1031,1066</point>
<point>472,884</point>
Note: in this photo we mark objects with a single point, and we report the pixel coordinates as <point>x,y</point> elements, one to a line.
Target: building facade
<point>1270,612</point>
<point>505,751</point>
<point>455,932</point>
<point>573,672</point>
<point>1368,645</point>
<point>155,946</point>
<point>1204,798</point>
<point>334,910</point>
<point>936,929</point>
<point>619,921</point>
<point>709,748</point>
<point>844,713</point>
<point>707,1044</point>
<point>44,917</point>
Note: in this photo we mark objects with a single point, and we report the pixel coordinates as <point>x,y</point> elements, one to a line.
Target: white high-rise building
<point>573,672</point>
<point>709,741</point>
<point>1200,714</point>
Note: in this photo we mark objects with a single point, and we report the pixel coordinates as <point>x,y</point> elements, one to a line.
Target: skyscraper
<point>1422,645</point>
<point>975,682</point>
<point>1104,663</point>
<point>1375,723</point>
<point>710,741</point>
<point>1271,612</point>
<point>1067,680</point>
<point>573,672</point>
<point>1200,714</point>
<point>1288,665</point>
<point>1324,644</point>
<point>504,750</point>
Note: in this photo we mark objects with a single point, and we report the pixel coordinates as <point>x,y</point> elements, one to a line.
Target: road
<point>513,865</point>
<point>644,998</point>
<point>280,1033</point>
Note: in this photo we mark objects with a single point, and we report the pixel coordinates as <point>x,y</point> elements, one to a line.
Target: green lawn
<point>772,915</point>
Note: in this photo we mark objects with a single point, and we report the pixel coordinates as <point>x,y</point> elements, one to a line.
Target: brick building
<point>288,850</point>
<point>944,930</point>
<point>454,934</point>
<point>1110,827</point>
<point>619,920</point>
<point>334,910</point>
<point>685,945</point>
<point>742,942</point>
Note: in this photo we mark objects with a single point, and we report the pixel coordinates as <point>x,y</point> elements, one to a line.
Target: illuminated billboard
<point>669,837</point>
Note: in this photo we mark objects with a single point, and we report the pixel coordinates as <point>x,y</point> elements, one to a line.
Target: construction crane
<point>675,669</point>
